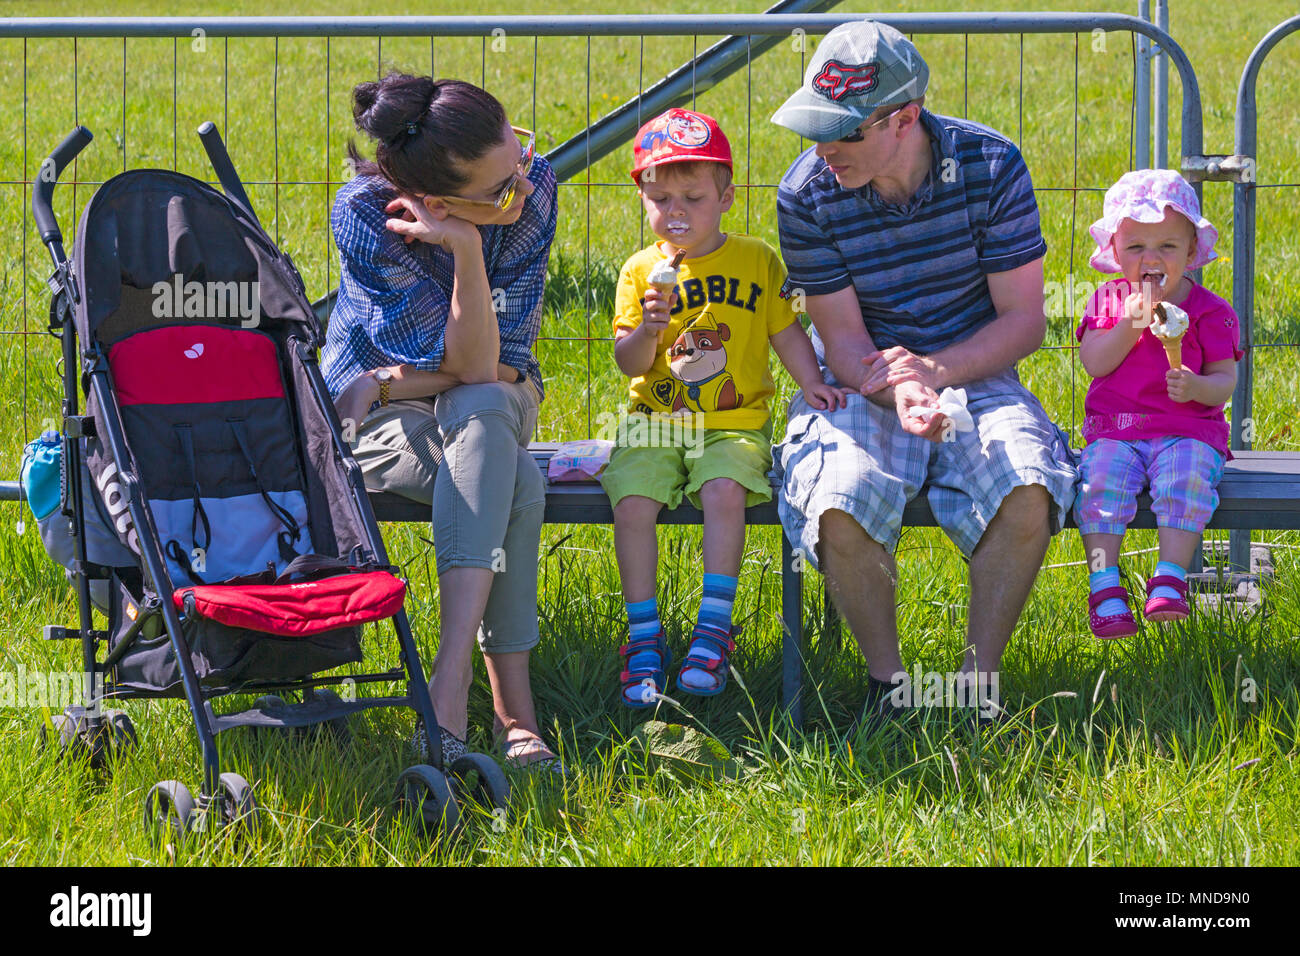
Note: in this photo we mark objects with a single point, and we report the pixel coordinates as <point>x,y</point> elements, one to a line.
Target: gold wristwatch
<point>384,376</point>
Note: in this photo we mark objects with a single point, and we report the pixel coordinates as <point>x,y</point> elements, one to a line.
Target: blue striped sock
<point>643,619</point>
<point>1169,569</point>
<point>1099,581</point>
<point>642,623</point>
<point>715,619</point>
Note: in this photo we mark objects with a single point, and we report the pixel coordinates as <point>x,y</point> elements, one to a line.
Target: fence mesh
<point>283,105</point>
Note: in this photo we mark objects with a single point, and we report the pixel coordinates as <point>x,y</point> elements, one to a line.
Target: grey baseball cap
<point>857,67</point>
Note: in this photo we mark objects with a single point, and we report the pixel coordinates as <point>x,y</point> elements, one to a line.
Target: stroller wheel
<point>238,808</point>
<point>121,732</point>
<point>476,778</point>
<point>65,736</point>
<point>168,809</point>
<point>423,791</point>
<point>76,739</point>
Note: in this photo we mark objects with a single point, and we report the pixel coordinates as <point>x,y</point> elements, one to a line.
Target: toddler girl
<point>1162,351</point>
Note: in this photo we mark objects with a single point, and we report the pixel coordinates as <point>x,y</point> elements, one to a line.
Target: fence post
<point>1142,94</point>
<point>1162,91</point>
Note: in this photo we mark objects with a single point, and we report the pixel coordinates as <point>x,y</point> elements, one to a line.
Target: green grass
<point>1143,765</point>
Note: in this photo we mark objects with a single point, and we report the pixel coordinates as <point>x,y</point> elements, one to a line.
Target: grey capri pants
<point>465,452</point>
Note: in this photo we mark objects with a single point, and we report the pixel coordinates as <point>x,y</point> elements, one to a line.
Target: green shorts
<point>665,474</point>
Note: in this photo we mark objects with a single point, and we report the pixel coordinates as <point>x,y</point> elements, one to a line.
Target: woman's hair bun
<point>387,107</point>
<point>364,96</point>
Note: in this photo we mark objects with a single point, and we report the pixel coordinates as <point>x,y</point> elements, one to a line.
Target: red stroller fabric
<point>186,363</point>
<point>301,609</point>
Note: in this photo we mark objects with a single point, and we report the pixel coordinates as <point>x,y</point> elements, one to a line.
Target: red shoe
<point>1166,608</point>
<point>1112,625</point>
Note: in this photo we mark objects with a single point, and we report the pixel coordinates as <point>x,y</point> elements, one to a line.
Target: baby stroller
<point>232,545</point>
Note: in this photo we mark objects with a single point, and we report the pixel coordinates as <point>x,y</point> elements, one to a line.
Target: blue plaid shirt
<point>394,298</point>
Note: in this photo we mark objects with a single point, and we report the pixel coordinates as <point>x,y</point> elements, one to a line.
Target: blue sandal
<point>644,684</point>
<point>718,668</point>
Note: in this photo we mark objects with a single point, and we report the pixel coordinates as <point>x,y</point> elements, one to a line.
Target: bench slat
<point>1260,489</point>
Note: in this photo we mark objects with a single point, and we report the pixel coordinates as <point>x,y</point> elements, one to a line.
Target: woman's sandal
<point>1166,608</point>
<point>453,747</point>
<point>718,668</point>
<point>515,752</point>
<point>641,687</point>
<point>1111,625</point>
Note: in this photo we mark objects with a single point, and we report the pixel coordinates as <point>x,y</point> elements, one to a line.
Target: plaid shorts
<point>859,460</point>
<point>1183,474</point>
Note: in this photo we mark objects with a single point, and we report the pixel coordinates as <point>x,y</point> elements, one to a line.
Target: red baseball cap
<point>679,136</point>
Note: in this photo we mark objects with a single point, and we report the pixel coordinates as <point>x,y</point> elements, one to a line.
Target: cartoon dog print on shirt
<point>698,360</point>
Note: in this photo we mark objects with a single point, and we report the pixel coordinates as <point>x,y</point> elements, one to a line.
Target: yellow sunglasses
<point>507,195</point>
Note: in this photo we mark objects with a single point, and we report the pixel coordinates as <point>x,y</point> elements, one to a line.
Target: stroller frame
<point>224,798</point>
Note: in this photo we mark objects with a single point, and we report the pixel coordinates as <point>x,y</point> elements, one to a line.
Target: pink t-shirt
<point>1131,403</point>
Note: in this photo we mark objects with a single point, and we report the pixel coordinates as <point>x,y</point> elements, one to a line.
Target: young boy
<point>697,357</point>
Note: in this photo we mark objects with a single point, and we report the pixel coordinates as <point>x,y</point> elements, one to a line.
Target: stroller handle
<point>225,169</point>
<point>51,168</point>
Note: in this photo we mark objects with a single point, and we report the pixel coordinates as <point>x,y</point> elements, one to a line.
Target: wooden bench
<point>1259,490</point>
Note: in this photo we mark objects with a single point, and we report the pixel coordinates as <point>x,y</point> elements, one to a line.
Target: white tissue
<point>952,403</point>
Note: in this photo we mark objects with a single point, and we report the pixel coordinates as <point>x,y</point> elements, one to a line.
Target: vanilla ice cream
<point>1169,321</point>
<point>1169,325</point>
<point>664,275</point>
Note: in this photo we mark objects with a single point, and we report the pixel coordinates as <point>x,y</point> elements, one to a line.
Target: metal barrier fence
<point>697,78</point>
<point>324,57</point>
<point>1243,257</point>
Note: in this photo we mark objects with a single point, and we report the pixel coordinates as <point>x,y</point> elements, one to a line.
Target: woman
<point>444,240</point>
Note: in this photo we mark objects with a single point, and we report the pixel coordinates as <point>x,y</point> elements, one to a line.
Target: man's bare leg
<point>1002,573</point>
<point>861,577</point>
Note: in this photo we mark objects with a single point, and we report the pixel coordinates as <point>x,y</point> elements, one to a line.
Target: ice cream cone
<point>667,286</point>
<point>1167,318</point>
<point>1173,348</point>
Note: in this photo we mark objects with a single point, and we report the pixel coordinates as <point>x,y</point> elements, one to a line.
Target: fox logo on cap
<point>838,80</point>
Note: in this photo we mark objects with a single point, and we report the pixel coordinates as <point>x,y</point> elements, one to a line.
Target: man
<point>915,242</point>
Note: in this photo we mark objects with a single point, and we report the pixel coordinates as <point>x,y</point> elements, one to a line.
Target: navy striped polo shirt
<point>919,267</point>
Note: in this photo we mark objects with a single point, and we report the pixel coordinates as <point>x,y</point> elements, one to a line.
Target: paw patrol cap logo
<point>857,68</point>
<point>679,136</point>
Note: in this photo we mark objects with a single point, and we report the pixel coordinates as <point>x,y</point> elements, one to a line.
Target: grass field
<point>1144,752</point>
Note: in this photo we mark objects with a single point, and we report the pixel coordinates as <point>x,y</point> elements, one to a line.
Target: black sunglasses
<point>859,134</point>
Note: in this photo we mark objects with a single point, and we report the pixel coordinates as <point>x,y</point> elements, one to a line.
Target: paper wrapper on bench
<point>579,460</point>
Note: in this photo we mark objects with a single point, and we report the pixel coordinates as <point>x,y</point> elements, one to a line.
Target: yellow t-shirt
<point>714,354</point>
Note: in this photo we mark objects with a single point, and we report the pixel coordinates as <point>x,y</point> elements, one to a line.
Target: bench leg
<point>792,640</point>
<point>1239,550</point>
